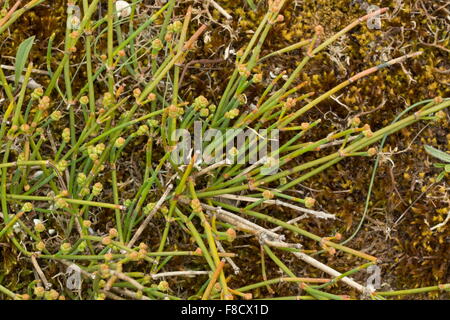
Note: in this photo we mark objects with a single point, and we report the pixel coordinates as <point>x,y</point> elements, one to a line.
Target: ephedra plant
<point>64,195</point>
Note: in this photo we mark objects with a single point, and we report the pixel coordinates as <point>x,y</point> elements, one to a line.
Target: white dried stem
<point>440,225</point>
<point>129,293</point>
<point>253,166</point>
<point>41,274</point>
<point>317,214</point>
<point>323,267</point>
<point>241,222</point>
<point>220,9</point>
<point>280,244</point>
<point>233,265</point>
<point>276,229</point>
<point>150,216</point>
<point>124,277</point>
<point>212,167</point>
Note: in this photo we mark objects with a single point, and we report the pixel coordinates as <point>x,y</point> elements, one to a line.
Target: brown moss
<point>412,256</point>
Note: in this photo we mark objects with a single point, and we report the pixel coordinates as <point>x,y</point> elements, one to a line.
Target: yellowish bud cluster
<point>233,113</point>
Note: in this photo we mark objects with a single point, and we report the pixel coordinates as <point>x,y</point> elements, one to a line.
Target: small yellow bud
<point>372,151</point>
<point>39,227</point>
<point>40,246</point>
<point>310,202</point>
<point>106,241</point>
<point>51,295</point>
<point>27,207</point>
<point>39,292</point>
<point>66,135</point>
<point>231,234</point>
<point>84,100</point>
<point>163,286</point>
<point>113,233</point>
<point>56,115</point>
<point>120,142</point>
<point>267,194</point>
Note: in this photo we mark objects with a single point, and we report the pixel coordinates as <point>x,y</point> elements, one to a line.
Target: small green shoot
<point>437,153</point>
<point>441,156</point>
<point>21,57</point>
